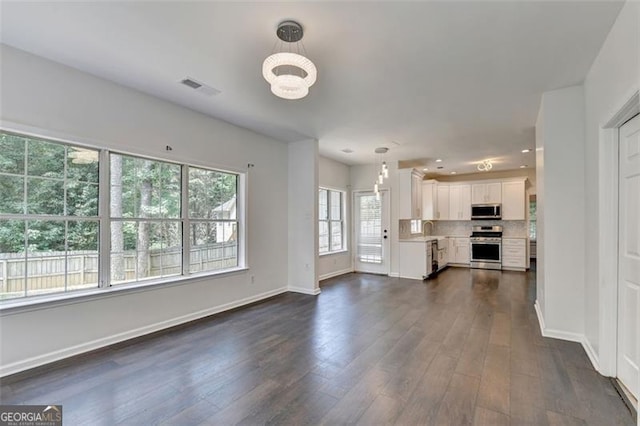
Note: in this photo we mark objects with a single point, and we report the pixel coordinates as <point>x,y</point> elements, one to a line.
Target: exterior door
<point>372,233</point>
<point>629,256</point>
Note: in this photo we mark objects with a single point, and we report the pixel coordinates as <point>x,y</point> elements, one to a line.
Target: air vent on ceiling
<point>347,150</point>
<point>200,87</point>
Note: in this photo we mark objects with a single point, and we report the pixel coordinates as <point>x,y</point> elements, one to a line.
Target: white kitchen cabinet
<point>413,259</point>
<point>486,193</point>
<point>442,202</point>
<point>513,200</point>
<point>409,194</point>
<point>459,250</point>
<point>460,202</point>
<point>429,199</point>
<point>514,254</point>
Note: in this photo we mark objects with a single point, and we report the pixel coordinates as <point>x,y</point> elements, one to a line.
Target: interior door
<point>372,233</point>
<point>629,256</point>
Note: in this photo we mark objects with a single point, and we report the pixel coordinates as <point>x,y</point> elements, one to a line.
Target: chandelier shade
<point>290,74</point>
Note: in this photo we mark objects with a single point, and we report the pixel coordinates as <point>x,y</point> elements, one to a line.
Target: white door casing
<point>628,358</point>
<point>372,232</point>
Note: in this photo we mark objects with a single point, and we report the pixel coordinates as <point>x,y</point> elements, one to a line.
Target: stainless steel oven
<point>486,247</point>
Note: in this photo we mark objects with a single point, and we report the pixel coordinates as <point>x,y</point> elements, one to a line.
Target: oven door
<point>486,252</point>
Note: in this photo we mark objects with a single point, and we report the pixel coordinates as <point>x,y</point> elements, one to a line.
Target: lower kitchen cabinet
<point>414,259</point>
<point>514,254</point>
<point>459,250</point>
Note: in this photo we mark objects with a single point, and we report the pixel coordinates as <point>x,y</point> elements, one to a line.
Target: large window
<point>158,217</point>
<point>331,227</point>
<point>533,231</point>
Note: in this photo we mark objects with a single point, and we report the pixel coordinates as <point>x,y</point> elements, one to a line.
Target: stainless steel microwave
<point>486,211</point>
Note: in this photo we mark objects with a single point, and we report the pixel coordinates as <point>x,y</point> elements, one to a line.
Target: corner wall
<point>66,103</point>
<point>335,175</point>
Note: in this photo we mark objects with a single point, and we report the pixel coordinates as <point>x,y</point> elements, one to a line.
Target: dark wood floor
<point>464,348</point>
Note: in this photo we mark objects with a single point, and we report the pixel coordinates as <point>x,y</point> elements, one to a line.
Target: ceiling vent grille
<point>200,87</point>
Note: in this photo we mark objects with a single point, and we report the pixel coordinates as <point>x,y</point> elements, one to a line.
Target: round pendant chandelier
<point>289,72</point>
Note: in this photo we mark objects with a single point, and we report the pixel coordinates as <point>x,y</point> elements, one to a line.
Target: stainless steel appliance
<point>486,247</point>
<point>486,211</point>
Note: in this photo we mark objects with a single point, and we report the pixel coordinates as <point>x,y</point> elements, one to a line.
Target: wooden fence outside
<point>45,272</point>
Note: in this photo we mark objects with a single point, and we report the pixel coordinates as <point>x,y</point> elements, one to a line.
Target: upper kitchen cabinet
<point>513,200</point>
<point>429,199</point>
<point>442,202</point>
<point>486,193</point>
<point>460,202</point>
<point>409,194</point>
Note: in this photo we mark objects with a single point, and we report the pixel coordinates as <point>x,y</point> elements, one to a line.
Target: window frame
<point>104,288</point>
<point>343,223</point>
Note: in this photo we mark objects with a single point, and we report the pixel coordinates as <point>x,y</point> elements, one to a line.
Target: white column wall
<point>303,217</point>
<point>63,102</point>
<point>562,210</point>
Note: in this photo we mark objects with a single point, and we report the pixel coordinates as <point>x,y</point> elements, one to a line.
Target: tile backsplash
<point>510,228</point>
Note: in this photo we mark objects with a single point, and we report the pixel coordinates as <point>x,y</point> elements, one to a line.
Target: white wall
<point>612,79</point>
<point>37,93</point>
<point>561,206</point>
<point>303,217</point>
<point>540,231</point>
<point>335,175</point>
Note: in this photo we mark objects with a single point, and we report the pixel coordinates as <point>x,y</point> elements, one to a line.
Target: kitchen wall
<point>54,100</point>
<point>612,79</point>
<point>462,228</point>
<point>529,173</point>
<point>335,175</point>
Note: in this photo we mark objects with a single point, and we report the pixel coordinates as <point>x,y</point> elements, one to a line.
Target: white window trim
<point>104,288</point>
<point>343,195</point>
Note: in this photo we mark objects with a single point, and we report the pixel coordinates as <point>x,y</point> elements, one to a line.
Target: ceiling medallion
<point>289,72</point>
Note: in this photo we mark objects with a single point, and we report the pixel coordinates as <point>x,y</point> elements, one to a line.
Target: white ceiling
<point>459,81</point>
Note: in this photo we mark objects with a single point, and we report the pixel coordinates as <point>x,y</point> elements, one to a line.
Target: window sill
<point>329,253</point>
<point>22,305</point>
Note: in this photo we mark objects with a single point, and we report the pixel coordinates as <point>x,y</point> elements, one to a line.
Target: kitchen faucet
<point>424,227</point>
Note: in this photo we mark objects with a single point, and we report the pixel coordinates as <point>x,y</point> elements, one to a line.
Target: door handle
<point>385,237</point>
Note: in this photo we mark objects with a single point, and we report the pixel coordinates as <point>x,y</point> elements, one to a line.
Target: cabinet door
<point>416,195</point>
<point>513,200</point>
<point>465,202</point>
<point>428,201</point>
<point>454,202</point>
<point>405,194</point>
<point>478,193</point>
<point>494,193</point>
<point>462,250</point>
<point>443,202</point>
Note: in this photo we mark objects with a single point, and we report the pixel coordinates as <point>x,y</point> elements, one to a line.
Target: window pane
<point>45,257</point>
<point>82,255</point>
<point>323,241</point>
<point>45,159</point>
<point>82,164</point>
<point>12,258</point>
<point>11,154</point>
<point>212,195</point>
<point>82,199</point>
<point>12,198</point>
<point>336,236</point>
<point>323,205</point>
<point>336,205</point>
<point>214,246</point>
<point>45,196</point>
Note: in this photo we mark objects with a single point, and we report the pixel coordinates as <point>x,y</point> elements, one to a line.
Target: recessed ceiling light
<point>524,151</point>
<point>523,166</point>
<point>425,170</point>
<point>453,173</point>
<point>439,160</point>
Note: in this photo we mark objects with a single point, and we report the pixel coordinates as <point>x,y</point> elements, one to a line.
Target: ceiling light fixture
<point>289,72</point>
<point>439,160</point>
<point>523,166</point>
<point>524,151</point>
<point>453,173</point>
<point>485,165</point>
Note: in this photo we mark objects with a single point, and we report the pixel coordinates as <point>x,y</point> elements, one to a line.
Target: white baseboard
<point>336,273</point>
<point>39,360</point>
<point>570,336</point>
<point>304,290</point>
<point>394,274</point>
<point>593,357</point>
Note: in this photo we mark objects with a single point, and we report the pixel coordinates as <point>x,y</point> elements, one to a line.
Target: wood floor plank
<point>463,348</point>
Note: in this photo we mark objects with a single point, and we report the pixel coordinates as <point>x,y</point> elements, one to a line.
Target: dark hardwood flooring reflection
<point>463,348</point>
